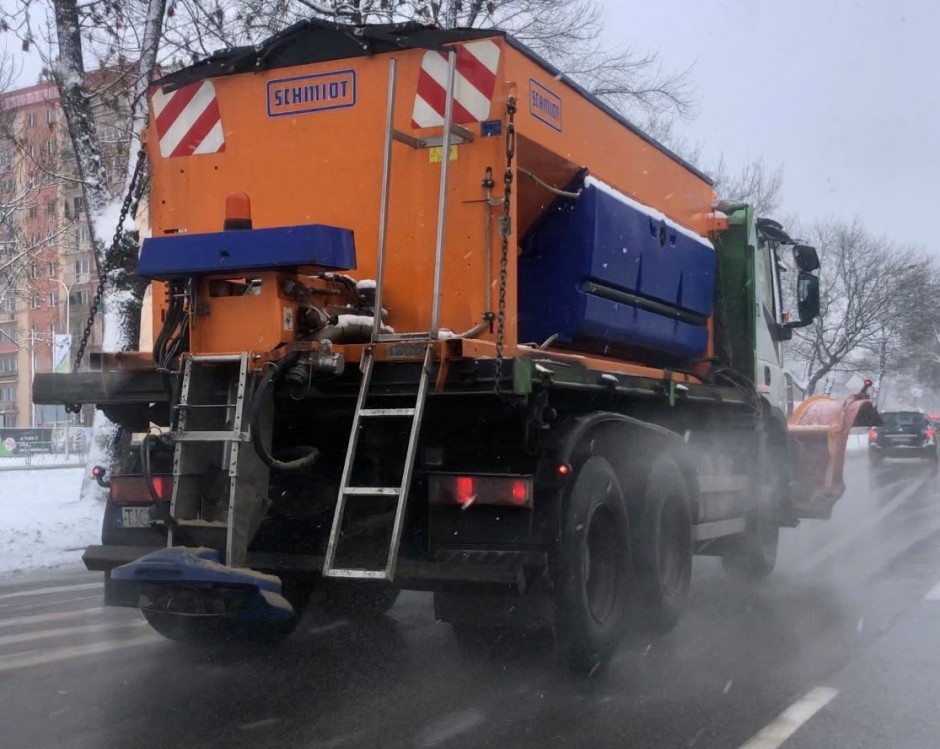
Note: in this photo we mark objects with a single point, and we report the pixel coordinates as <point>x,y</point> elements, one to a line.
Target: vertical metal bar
<point>442,198</point>
<point>234,534</point>
<point>383,210</point>
<point>487,249</point>
<point>346,478</point>
<point>391,563</point>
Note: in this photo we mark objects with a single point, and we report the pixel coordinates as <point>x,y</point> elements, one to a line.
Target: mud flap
<point>192,581</point>
<point>820,427</point>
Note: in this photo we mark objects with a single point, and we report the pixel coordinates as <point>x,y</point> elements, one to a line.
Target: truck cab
<point>763,272</point>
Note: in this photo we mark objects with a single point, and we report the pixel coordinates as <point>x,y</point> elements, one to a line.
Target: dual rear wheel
<point>611,575</point>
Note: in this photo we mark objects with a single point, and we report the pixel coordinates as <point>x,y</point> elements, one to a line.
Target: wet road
<point>844,640</point>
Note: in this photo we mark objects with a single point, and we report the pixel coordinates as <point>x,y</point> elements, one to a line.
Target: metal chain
<point>133,193</point>
<point>505,229</point>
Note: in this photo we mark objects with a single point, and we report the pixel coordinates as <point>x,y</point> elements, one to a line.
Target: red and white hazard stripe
<point>474,84</point>
<point>188,120</point>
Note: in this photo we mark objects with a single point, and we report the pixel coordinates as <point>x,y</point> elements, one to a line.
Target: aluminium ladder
<point>220,485</point>
<point>364,413</point>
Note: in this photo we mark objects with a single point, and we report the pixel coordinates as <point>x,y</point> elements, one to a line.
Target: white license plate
<point>135,517</point>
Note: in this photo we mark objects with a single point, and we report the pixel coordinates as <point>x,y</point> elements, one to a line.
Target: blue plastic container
<point>606,273</point>
<point>184,255</point>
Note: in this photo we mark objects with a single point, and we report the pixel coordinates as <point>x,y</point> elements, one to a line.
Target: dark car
<point>903,434</point>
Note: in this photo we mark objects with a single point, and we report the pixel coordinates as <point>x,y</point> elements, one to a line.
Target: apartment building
<point>47,267</point>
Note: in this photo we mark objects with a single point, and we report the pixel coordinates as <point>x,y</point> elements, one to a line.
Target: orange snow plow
<point>820,426</point>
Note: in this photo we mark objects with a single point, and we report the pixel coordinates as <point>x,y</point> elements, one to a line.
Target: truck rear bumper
<point>502,570</point>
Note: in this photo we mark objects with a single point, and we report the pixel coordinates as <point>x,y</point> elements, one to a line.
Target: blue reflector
<point>251,249</point>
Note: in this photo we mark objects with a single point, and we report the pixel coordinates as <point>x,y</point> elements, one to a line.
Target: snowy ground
<point>41,460</point>
<point>42,523</point>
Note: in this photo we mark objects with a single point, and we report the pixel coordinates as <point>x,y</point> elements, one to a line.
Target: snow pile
<point>857,442</point>
<point>43,524</point>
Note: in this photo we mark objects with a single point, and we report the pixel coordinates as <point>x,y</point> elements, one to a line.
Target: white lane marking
<point>843,541</point>
<point>790,720</point>
<point>57,616</point>
<point>57,589</point>
<point>35,658</point>
<point>933,594</point>
<point>12,608</point>
<point>260,724</point>
<point>45,634</point>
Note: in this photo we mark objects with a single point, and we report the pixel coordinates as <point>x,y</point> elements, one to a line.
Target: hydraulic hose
<point>311,454</point>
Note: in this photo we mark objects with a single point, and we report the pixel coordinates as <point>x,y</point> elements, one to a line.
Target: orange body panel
<point>325,167</point>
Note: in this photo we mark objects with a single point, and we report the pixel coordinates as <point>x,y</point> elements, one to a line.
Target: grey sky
<point>844,93</point>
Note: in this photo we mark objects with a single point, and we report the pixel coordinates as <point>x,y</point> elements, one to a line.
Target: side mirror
<point>807,297</point>
<point>805,257</point>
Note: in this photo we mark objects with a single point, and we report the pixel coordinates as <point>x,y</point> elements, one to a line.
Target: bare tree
<point>565,32</point>
<point>755,183</point>
<point>868,288</point>
<point>67,34</point>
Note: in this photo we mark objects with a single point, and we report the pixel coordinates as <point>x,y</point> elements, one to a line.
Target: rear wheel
<point>663,544</point>
<point>754,555</point>
<point>875,458</point>
<point>593,568</point>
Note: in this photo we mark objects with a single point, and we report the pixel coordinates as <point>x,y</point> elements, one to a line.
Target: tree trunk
<point>122,289</point>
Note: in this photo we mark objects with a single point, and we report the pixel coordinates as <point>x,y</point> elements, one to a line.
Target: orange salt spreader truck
<point>428,315</point>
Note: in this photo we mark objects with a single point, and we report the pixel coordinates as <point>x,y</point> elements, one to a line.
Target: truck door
<point>768,357</point>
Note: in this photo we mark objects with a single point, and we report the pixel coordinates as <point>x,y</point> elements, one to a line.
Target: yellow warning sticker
<point>434,154</point>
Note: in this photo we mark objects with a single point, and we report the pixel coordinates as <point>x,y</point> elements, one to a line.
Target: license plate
<point>135,517</point>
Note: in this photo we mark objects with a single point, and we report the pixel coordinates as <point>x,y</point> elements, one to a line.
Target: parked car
<point>903,434</point>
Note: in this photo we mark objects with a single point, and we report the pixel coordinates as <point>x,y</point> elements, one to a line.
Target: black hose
<point>145,468</point>
<point>161,507</point>
<point>257,404</point>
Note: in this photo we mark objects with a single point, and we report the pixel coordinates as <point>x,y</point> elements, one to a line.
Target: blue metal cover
<point>200,567</point>
<point>182,255</point>
<point>605,272</point>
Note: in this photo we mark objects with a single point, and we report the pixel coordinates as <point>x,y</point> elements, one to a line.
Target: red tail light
<point>125,489</point>
<point>466,490</point>
<point>480,490</point>
<point>872,434</point>
<point>929,434</point>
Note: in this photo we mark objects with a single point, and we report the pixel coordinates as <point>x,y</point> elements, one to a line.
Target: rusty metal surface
<point>820,426</point>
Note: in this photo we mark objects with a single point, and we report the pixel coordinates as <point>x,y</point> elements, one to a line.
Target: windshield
<point>903,419</point>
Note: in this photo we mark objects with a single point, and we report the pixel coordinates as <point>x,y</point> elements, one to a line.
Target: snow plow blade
<point>820,427</point>
<point>192,581</point>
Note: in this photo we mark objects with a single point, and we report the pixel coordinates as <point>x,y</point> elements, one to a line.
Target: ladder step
<point>385,337</point>
<point>372,491</point>
<point>362,574</point>
<point>387,412</point>
<point>210,436</point>
<point>216,358</point>
<point>202,523</point>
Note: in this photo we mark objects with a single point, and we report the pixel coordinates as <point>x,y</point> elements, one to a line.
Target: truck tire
<point>663,545</point>
<point>593,568</point>
<point>754,555</point>
<point>356,601</point>
<point>217,632</point>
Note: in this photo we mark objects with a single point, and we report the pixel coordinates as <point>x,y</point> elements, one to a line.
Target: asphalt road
<point>840,648</point>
